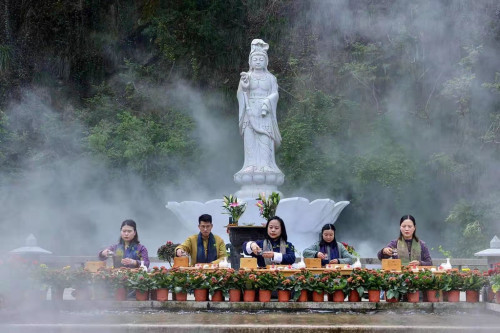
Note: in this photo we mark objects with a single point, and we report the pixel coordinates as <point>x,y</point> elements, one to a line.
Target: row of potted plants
<point>107,282</point>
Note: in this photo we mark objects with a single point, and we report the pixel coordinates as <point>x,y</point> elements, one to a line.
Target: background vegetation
<point>389,104</point>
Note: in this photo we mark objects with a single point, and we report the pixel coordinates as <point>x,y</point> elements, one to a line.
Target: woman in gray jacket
<point>328,249</point>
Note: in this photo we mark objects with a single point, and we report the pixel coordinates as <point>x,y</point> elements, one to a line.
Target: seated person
<point>407,247</point>
<point>274,249</point>
<point>328,249</point>
<point>128,252</point>
<point>203,247</point>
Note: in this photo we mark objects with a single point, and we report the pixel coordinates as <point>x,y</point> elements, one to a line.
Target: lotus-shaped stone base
<point>303,219</point>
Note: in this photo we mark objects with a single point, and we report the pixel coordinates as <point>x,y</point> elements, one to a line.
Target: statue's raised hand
<point>244,80</point>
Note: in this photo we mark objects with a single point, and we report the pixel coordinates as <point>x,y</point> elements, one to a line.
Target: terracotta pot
<point>391,300</point>
<point>413,297</point>
<point>141,295</point>
<point>354,296</point>
<point>302,296</point>
<point>120,294</point>
<point>201,295</point>
<point>284,295</point>
<point>433,295</point>
<point>497,297</point>
<point>162,295</point>
<point>472,296</point>
<point>234,295</point>
<point>318,297</point>
<point>264,295</point>
<point>453,296</point>
<point>218,296</point>
<point>249,295</point>
<point>374,296</point>
<point>181,297</point>
<point>338,296</point>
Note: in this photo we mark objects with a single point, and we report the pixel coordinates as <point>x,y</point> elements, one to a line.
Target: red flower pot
<point>234,295</point>
<point>284,295</point>
<point>218,296</point>
<point>391,300</point>
<point>497,296</point>
<point>201,295</point>
<point>182,297</point>
<point>338,296</point>
<point>318,297</point>
<point>249,295</point>
<point>453,296</point>
<point>142,295</point>
<point>433,295</point>
<point>472,296</point>
<point>264,295</point>
<point>374,296</point>
<point>302,296</point>
<point>413,297</point>
<point>162,294</point>
<point>354,296</point>
<point>120,294</point>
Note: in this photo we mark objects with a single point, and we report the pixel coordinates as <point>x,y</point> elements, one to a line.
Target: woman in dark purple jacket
<point>407,247</point>
<point>128,252</point>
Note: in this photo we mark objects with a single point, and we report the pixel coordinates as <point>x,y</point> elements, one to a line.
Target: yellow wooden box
<point>391,264</point>
<point>313,262</point>
<point>181,261</point>
<point>93,266</point>
<point>248,262</point>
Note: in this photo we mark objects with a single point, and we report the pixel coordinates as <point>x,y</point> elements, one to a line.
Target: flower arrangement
<point>286,282</point>
<point>334,281</point>
<point>268,206</point>
<point>474,280</point>
<point>81,278</point>
<point>410,280</point>
<point>249,280</point>
<point>166,252</point>
<point>268,280</point>
<point>233,207</point>
<point>317,283</point>
<point>56,278</point>
<point>425,280</point>
<point>234,279</point>
<point>219,280</point>
<point>350,249</point>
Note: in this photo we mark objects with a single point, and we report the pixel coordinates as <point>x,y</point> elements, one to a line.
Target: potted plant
<point>430,285</point>
<point>300,288</point>
<point>82,281</point>
<point>218,284</point>
<point>394,286</point>
<point>286,284</point>
<point>234,284</point>
<point>249,279</point>
<point>57,279</point>
<point>199,283</point>
<point>374,283</point>
<point>317,284</point>
<point>335,285</point>
<point>473,281</point>
<point>267,282</point>
<point>411,282</point>
<point>163,282</point>
<point>452,282</point>
<point>141,282</point>
<point>166,252</point>
<point>355,285</point>
<point>181,283</point>
<point>495,285</point>
<point>233,207</point>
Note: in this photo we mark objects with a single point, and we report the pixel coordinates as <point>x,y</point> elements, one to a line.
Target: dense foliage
<point>389,104</point>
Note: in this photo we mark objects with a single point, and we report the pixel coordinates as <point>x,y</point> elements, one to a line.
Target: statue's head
<point>258,54</point>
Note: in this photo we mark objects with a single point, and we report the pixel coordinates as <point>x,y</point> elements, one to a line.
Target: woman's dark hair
<point>327,226</point>
<point>283,229</point>
<point>130,223</point>
<point>411,218</point>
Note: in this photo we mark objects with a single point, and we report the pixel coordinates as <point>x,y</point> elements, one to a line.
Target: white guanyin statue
<point>257,99</point>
